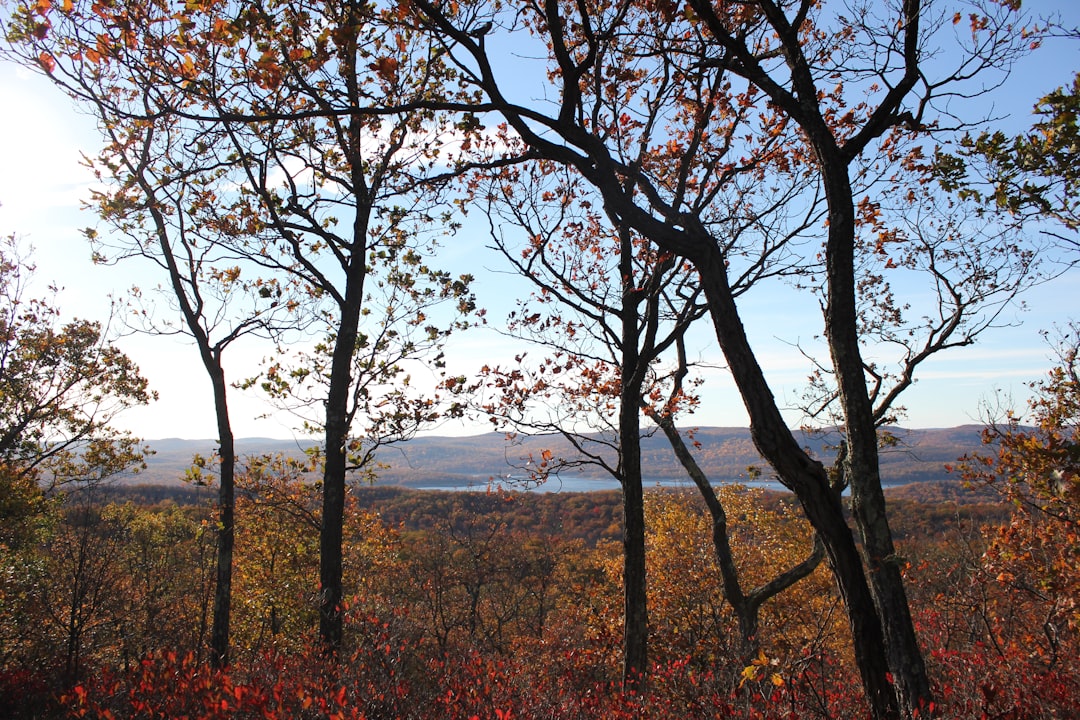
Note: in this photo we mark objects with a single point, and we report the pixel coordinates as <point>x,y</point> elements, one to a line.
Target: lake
<point>569,484</point>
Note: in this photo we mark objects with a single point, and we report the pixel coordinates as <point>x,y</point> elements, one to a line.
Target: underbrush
<point>387,676</point>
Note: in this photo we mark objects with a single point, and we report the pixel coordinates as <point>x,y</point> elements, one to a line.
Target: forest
<point>295,175</point>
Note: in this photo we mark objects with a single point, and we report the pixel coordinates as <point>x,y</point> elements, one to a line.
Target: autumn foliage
<point>454,613</point>
<point>300,163</point>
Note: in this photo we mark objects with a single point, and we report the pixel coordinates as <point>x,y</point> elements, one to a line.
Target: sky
<point>42,186</point>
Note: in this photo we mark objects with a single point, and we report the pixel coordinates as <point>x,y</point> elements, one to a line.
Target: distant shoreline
<point>472,462</point>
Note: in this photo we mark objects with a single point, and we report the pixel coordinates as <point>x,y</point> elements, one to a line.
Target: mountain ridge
<point>725,453</point>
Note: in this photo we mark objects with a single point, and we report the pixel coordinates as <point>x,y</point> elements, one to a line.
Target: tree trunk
<point>211,359</point>
<point>219,632</point>
<point>338,422</point>
<point>635,610</point>
<point>861,467</point>
<point>635,606</point>
<point>331,623</point>
<point>808,479</point>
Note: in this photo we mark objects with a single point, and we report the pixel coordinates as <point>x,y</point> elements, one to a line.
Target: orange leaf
<point>386,67</point>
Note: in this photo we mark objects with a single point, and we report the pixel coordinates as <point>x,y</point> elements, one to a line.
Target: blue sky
<point>42,186</point>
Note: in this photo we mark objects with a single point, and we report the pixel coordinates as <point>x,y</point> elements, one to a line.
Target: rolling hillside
<point>724,453</point>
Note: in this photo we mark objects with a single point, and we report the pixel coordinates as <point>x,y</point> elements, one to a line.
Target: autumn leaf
<point>386,67</point>
<point>48,62</point>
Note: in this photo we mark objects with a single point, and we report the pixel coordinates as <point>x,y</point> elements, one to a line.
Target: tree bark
<point>635,610</point>
<point>861,466</point>
<point>808,479</point>
<point>219,632</point>
<point>338,415</point>
<point>331,592</point>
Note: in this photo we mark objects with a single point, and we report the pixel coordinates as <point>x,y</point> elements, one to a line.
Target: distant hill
<point>724,453</point>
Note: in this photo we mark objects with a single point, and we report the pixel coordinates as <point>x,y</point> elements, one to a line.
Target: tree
<point>204,285</point>
<point>745,603</point>
<point>1035,465</point>
<point>694,613</point>
<point>158,215</point>
<point>83,610</point>
<point>609,317</point>
<point>332,59</point>
<point>1031,176</point>
<point>277,552</point>
<point>81,557</point>
<point>784,61</point>
<point>207,281</point>
<point>477,583</point>
<point>165,557</point>
<point>61,385</point>
<point>607,307</point>
<point>279,99</point>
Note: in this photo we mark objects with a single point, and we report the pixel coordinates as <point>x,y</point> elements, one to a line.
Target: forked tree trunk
<point>809,480</point>
<point>746,605</point>
<point>861,467</point>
